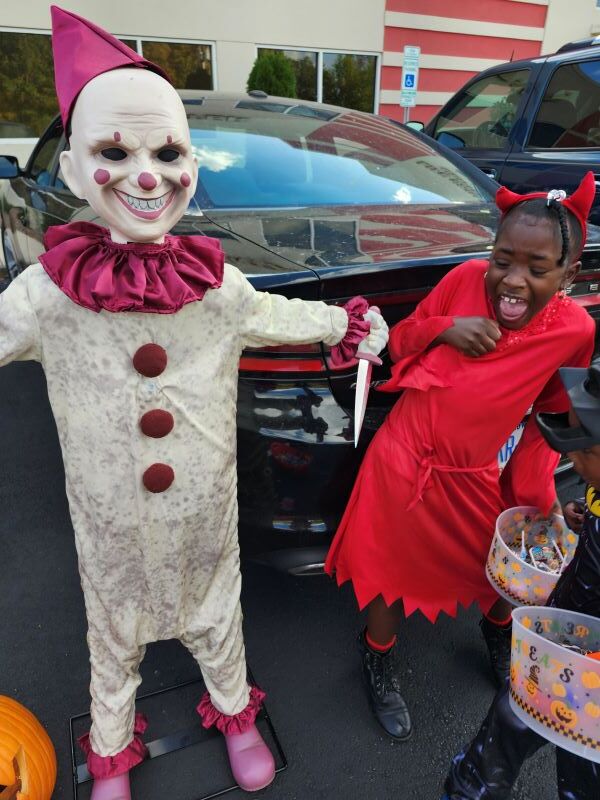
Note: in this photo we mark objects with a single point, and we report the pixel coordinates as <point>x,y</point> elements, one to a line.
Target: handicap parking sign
<point>410,76</point>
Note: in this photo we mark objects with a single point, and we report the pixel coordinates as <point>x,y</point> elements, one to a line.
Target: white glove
<point>379,334</point>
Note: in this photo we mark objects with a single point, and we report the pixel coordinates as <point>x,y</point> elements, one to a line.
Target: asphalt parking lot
<point>300,635</point>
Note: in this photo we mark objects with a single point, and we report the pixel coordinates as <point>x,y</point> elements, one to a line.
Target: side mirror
<point>416,125</point>
<point>451,140</point>
<point>9,167</point>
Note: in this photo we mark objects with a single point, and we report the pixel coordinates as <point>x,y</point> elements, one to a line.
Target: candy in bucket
<point>528,554</point>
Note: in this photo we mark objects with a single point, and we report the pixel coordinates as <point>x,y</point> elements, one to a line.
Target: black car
<point>532,124</point>
<point>310,201</point>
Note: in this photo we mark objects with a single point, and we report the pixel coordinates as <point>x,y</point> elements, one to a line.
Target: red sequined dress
<point>421,516</point>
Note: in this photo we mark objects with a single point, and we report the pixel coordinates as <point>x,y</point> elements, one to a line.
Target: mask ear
<point>70,174</point>
<point>194,177</point>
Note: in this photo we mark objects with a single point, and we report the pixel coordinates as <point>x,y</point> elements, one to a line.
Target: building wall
<point>236,27</point>
<point>457,41</point>
<point>569,20</point>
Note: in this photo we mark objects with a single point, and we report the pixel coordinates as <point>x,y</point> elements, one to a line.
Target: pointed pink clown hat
<point>83,51</point>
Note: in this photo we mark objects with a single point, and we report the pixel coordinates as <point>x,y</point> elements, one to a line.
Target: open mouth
<point>145,207</point>
<point>512,309</point>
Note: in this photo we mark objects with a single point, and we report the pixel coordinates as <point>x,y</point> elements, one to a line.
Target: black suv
<point>532,124</point>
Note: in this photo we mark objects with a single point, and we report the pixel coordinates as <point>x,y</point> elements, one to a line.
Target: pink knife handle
<point>365,354</point>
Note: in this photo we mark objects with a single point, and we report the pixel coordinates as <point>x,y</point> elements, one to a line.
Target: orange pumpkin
<point>27,757</point>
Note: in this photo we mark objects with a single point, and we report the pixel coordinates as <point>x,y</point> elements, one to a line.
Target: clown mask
<point>130,154</point>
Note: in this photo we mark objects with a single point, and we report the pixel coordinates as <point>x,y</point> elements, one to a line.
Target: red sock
<point>380,648</point>
<point>500,623</point>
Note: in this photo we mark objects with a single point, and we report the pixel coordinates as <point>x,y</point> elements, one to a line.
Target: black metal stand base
<point>201,773</point>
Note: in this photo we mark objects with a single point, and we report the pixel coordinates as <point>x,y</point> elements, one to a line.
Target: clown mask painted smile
<point>130,154</point>
<point>145,207</point>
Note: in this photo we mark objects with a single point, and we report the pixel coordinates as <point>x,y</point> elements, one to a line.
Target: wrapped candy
<point>527,555</point>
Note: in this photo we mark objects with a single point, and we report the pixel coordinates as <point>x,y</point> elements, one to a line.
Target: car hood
<point>333,237</point>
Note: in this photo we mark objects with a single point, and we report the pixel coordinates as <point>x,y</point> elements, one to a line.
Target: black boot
<point>498,638</point>
<point>380,673</point>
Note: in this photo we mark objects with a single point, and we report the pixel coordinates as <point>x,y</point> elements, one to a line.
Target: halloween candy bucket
<point>527,554</point>
<point>554,688</point>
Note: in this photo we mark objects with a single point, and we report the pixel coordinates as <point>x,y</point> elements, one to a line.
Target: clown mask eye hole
<point>168,154</point>
<point>114,153</point>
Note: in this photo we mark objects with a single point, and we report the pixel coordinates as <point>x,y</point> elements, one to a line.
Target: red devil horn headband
<point>579,203</point>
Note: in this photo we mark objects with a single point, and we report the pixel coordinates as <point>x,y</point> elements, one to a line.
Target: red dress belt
<point>427,466</point>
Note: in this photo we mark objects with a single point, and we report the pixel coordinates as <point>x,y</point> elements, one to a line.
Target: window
<point>27,81</point>
<point>569,114</point>
<point>482,115</point>
<point>349,80</point>
<point>263,157</point>
<point>28,99</point>
<point>45,160</point>
<point>341,79</point>
<point>188,65</point>
<point>305,68</point>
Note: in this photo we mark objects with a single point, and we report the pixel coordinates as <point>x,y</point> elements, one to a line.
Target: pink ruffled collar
<point>97,273</point>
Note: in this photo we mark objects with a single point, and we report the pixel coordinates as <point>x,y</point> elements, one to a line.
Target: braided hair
<point>567,224</point>
<point>564,229</point>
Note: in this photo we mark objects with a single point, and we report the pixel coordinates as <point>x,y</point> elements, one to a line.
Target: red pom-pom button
<point>157,423</point>
<point>158,478</point>
<point>150,360</point>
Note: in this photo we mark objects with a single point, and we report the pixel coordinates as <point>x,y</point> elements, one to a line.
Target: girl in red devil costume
<point>475,355</point>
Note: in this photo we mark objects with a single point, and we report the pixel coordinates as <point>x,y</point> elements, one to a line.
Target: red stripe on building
<point>421,113</point>
<point>460,44</point>
<point>504,11</point>
<point>430,80</point>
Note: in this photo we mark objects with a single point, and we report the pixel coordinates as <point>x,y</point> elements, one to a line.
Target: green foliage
<point>188,65</point>
<point>273,72</point>
<point>27,94</point>
<point>349,80</point>
<point>306,78</point>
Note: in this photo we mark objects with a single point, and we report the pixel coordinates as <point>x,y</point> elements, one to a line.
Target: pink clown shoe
<point>115,788</point>
<point>252,763</point>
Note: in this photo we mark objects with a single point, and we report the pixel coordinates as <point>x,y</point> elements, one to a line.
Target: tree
<point>26,76</point>
<point>306,78</point>
<point>350,81</point>
<point>273,73</point>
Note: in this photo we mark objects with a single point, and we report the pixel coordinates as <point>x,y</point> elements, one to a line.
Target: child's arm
<point>415,334</point>
<point>433,322</point>
<point>573,512</point>
<point>528,479</point>
<point>19,332</point>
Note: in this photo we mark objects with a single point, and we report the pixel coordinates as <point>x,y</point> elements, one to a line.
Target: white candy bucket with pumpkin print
<point>554,689</point>
<point>515,579</point>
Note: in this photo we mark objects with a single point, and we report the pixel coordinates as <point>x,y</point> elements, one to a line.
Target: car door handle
<point>491,173</point>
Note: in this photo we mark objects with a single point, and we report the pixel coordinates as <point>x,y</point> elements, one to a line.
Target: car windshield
<point>260,154</point>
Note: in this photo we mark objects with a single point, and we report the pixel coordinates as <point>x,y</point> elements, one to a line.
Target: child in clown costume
<point>139,334</point>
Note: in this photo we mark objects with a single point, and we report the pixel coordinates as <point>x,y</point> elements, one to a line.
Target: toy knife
<point>366,359</point>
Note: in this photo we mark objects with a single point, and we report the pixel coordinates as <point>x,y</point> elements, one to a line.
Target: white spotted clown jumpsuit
<point>160,563</point>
